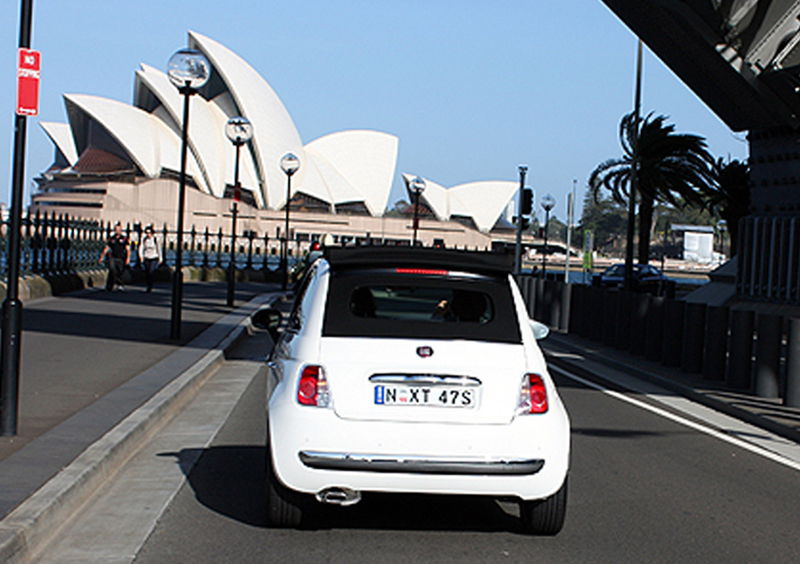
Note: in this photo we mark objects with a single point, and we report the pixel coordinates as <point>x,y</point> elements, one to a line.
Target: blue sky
<point>471,88</point>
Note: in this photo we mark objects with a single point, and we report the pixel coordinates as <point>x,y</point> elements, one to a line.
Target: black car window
<point>420,303</point>
<point>371,304</point>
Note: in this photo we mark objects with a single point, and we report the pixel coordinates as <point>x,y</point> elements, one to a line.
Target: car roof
<point>496,263</point>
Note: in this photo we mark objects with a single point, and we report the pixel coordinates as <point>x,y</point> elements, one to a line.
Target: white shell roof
<point>274,132</point>
<point>207,138</point>
<point>366,159</point>
<point>61,136</point>
<point>150,142</point>
<point>435,195</point>
<point>339,168</point>
<point>484,201</point>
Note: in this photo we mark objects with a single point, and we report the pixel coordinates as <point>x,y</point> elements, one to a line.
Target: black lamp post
<point>417,187</point>
<point>188,70</point>
<point>12,306</point>
<point>239,130</point>
<point>289,164</point>
<point>548,203</point>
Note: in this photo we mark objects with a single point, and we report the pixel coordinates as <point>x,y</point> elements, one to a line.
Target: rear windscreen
<point>381,304</point>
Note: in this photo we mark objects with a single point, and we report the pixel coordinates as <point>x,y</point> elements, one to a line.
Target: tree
<point>605,218</point>
<point>729,195</point>
<point>671,168</point>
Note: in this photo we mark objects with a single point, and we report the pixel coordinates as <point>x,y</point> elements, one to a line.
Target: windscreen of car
<point>377,304</point>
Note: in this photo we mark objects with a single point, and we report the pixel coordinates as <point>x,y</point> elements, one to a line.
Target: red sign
<point>28,65</point>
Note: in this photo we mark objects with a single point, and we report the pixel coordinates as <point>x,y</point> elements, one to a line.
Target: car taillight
<point>313,387</point>
<point>532,395</point>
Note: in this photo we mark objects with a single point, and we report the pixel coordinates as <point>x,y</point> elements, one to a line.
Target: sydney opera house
<point>119,162</point>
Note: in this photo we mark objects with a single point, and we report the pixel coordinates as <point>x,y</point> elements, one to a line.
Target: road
<point>643,488</point>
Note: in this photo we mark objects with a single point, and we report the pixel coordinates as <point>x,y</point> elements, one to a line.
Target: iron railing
<point>54,244</point>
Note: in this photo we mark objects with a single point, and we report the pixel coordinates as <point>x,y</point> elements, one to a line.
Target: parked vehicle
<point>645,277</point>
<point>411,370</point>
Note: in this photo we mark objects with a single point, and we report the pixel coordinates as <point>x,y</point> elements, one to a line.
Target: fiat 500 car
<point>412,371</point>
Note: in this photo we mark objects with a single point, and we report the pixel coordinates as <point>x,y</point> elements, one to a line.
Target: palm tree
<point>672,168</point>
<point>728,196</point>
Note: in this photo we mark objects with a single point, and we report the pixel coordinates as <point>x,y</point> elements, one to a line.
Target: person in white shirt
<point>149,256</point>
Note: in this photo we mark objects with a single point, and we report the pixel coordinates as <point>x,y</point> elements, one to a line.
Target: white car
<point>412,370</point>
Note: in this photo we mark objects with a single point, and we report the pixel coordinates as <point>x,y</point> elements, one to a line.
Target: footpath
<point>98,372</point>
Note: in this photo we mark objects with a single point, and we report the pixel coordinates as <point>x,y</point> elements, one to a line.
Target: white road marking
<point>795,465</point>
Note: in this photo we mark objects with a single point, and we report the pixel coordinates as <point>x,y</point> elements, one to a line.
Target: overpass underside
<point>742,58</point>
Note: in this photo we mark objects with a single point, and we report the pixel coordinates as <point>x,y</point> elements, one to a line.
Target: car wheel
<point>285,507</point>
<point>545,516</point>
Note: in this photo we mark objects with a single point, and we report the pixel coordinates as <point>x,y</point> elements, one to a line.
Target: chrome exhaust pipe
<point>338,496</point>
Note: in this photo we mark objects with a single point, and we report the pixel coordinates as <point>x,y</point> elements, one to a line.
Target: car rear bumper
<point>313,449</point>
<point>418,464</point>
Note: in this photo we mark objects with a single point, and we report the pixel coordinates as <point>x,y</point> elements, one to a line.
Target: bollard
<point>531,290</point>
<point>566,306</point>
<point>694,323</point>
<point>624,312</point>
<point>538,300</point>
<point>610,320</point>
<point>768,355</point>
<point>655,329</point>
<point>672,343</point>
<point>640,304</point>
<point>547,299</point>
<point>741,350</point>
<point>554,305</point>
<point>716,343</point>
<point>792,397</point>
<point>576,309</point>
<point>596,313</point>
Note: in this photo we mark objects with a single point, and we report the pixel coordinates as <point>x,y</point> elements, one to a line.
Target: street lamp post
<point>289,164</point>
<point>11,333</point>
<point>417,187</point>
<point>548,203</point>
<point>523,169</point>
<point>188,70</point>
<point>570,221</point>
<point>239,131</point>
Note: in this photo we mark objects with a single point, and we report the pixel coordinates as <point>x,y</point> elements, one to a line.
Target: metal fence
<point>56,244</point>
<point>733,348</point>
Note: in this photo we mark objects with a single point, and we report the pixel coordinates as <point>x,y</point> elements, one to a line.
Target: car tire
<point>285,508</point>
<point>545,517</point>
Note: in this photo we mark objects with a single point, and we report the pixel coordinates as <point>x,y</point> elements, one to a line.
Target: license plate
<point>438,396</point>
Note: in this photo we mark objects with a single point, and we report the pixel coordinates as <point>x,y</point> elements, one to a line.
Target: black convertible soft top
<point>470,261</point>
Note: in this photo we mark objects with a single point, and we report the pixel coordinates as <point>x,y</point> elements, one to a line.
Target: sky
<point>471,88</point>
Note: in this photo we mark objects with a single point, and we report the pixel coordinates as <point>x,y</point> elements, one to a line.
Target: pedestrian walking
<point>118,251</point>
<point>149,256</point>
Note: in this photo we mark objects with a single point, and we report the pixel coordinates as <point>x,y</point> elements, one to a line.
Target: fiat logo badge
<point>424,352</point>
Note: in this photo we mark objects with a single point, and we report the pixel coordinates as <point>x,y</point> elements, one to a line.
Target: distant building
<point>698,242</point>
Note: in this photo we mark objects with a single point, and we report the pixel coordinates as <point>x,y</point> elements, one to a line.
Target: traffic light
<point>526,205</point>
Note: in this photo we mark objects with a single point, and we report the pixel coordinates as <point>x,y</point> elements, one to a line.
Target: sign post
<point>27,104</point>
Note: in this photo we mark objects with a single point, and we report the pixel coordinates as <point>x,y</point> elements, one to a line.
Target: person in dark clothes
<point>149,256</point>
<point>119,255</point>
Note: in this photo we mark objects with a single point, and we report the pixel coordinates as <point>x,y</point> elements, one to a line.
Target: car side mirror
<point>268,319</point>
<point>540,330</point>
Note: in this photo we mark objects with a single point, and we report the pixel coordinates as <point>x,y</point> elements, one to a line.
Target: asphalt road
<point>643,488</point>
